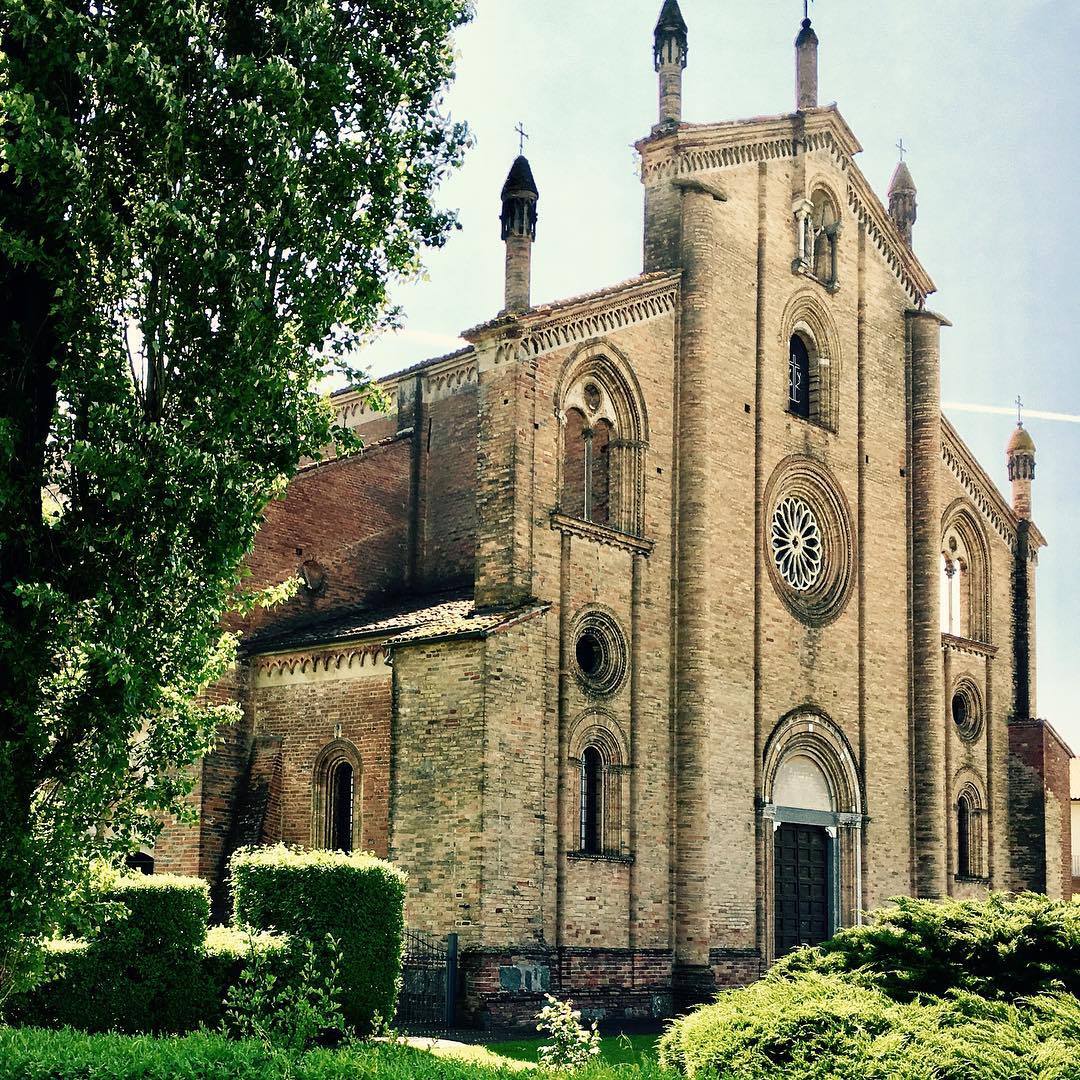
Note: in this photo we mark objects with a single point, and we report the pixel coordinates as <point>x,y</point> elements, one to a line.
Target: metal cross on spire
<point>806,8</point>
<point>1019,411</point>
<point>522,136</point>
<point>901,147</point>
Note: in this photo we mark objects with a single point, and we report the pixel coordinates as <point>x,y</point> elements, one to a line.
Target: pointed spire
<point>670,43</point>
<point>903,207</point>
<point>669,59</point>
<point>518,221</point>
<point>806,68</point>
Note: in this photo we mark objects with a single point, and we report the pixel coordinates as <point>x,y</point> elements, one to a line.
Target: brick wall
<point>505,988</point>
<point>308,710</point>
<point>351,516</point>
<point>1039,812</point>
<point>437,830</point>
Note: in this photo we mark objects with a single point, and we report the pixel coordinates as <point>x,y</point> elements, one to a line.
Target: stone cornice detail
<point>952,643</point>
<point>982,491</point>
<point>601,534</point>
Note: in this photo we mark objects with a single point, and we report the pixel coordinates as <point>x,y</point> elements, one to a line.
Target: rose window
<point>796,544</point>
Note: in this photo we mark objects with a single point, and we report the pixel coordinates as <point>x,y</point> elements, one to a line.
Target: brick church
<point>666,627</point>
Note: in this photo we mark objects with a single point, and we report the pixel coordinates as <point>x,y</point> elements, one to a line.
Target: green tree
<point>201,204</point>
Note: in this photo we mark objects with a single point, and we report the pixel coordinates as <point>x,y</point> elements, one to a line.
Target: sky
<point>986,97</point>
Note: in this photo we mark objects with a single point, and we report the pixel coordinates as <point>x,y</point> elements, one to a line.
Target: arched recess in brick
<point>965,553</point>
<point>599,756</point>
<point>807,320</point>
<point>812,808</point>
<point>603,439</point>
<point>337,787</point>
<point>970,835</point>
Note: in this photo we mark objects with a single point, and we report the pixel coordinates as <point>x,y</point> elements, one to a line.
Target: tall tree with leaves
<point>201,205</point>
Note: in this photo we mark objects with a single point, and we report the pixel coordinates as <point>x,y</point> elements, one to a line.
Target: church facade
<point>664,628</point>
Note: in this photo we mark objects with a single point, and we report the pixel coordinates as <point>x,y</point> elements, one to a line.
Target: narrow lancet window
<point>592,791</point>
<point>340,805</point>
<point>799,378</point>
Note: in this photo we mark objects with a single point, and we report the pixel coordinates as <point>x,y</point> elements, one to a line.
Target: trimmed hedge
<point>32,1054</point>
<point>816,1025</point>
<point>143,971</point>
<point>151,967</point>
<point>1003,948</point>
<point>357,899</point>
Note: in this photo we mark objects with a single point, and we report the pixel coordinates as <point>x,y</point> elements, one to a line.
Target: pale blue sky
<point>985,95</point>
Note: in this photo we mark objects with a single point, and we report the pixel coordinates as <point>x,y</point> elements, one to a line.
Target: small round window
<point>967,710</point>
<point>599,653</point>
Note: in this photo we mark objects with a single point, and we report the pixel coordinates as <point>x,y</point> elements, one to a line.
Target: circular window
<point>600,653</point>
<point>796,543</point>
<point>592,396</point>
<point>808,540</point>
<point>967,710</point>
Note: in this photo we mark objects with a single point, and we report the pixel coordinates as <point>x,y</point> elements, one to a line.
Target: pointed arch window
<point>603,445</point>
<point>965,597</point>
<point>598,754</point>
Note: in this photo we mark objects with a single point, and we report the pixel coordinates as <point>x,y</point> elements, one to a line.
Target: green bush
<point>357,899</point>
<point>229,953</point>
<point>143,971</point>
<point>816,1025</point>
<point>1004,947</point>
<point>31,1054</point>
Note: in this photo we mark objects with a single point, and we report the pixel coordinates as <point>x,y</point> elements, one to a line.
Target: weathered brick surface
<point>471,742</point>
<point>1040,813</point>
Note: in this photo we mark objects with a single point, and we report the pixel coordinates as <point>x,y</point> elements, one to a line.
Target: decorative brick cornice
<point>981,490</point>
<point>441,374</point>
<point>570,322</point>
<point>708,147</point>
<point>347,661</point>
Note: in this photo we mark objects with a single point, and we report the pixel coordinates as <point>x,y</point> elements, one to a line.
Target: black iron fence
<point>427,1001</point>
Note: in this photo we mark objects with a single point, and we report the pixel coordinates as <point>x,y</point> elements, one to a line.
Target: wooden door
<point>801,901</point>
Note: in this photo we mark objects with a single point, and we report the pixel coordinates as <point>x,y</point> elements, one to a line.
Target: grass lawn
<point>616,1050</point>
<point>34,1054</point>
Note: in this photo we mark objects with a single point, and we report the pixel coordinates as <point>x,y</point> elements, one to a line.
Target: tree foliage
<point>201,203</point>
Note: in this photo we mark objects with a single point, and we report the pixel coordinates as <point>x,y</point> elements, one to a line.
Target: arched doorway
<point>804,877</point>
<point>811,800</point>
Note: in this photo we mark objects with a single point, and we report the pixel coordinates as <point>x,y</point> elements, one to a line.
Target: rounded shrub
<point>356,899</point>
<point>815,1026</point>
<point>1004,947</point>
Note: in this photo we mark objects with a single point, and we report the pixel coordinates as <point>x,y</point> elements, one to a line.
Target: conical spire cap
<point>806,35</point>
<point>669,38</point>
<point>901,182</point>
<point>671,19</point>
<point>520,180</point>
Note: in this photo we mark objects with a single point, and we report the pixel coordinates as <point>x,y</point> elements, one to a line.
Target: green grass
<point>616,1050</point>
<point>37,1054</point>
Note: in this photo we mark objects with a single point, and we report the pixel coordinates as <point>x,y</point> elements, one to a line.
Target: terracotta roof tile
<point>421,619</point>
